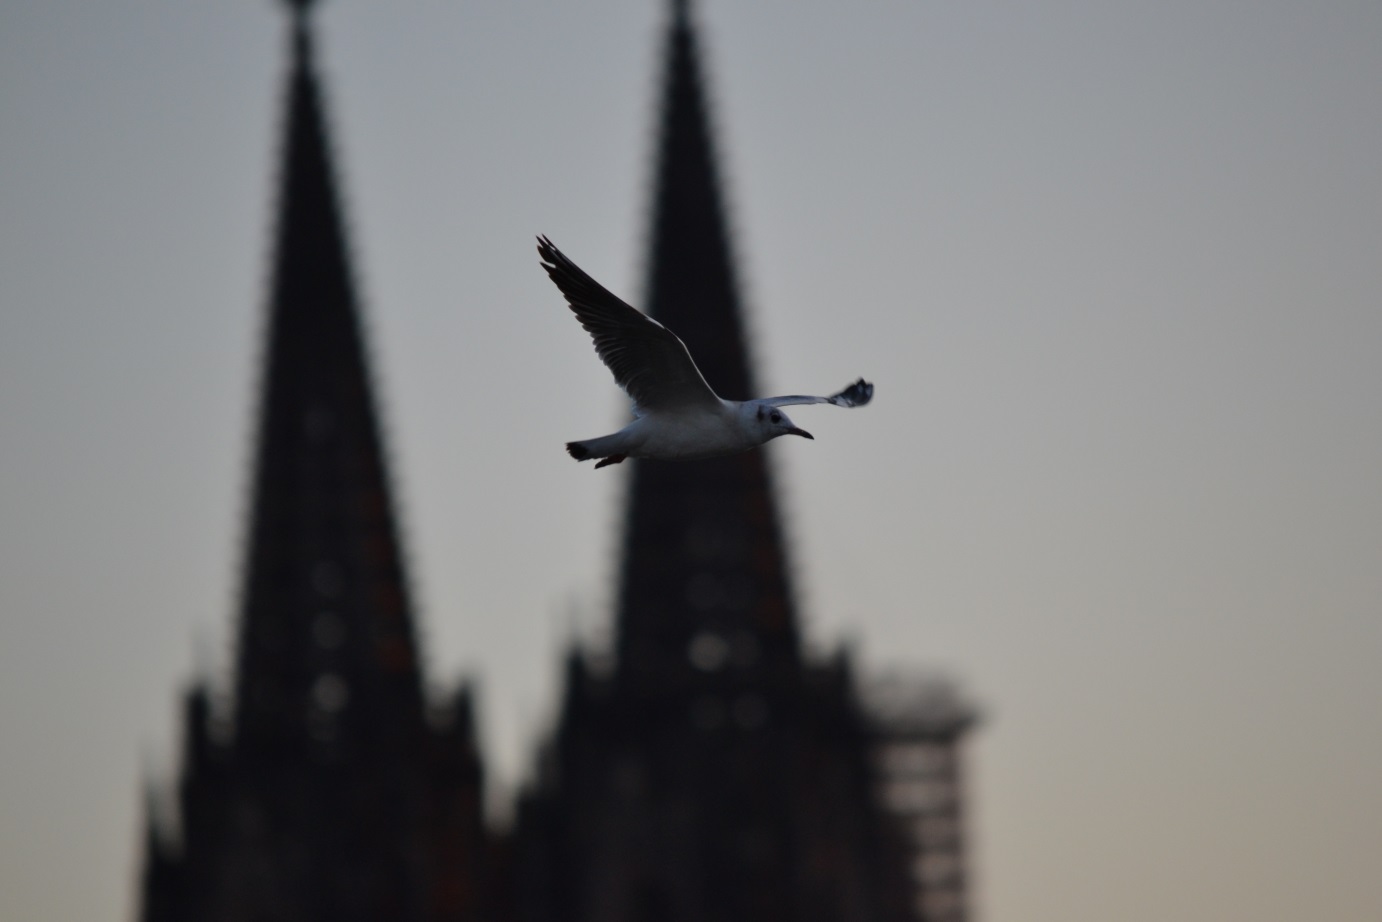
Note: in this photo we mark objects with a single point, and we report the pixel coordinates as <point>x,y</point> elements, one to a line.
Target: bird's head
<point>772,422</point>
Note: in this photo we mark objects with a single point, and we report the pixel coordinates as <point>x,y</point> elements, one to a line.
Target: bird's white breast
<point>687,436</point>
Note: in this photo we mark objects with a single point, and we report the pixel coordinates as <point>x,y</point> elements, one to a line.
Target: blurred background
<point>1113,268</point>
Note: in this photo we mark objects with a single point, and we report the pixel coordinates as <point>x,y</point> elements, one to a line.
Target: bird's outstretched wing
<point>856,395</point>
<point>648,360</point>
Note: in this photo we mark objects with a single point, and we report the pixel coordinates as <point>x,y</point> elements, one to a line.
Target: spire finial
<point>681,10</point>
<point>300,9</point>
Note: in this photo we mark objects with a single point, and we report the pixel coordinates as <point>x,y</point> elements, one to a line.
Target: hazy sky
<point>1115,268</point>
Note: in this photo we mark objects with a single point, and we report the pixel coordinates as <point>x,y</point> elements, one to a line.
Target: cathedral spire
<point>331,794</point>
<point>325,622</point>
<point>704,589</point>
<point>718,775</point>
<point>300,11</point>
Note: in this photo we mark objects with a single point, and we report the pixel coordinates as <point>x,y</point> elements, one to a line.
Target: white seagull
<point>677,416</point>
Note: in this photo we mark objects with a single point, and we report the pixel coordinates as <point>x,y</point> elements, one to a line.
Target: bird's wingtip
<point>857,394</point>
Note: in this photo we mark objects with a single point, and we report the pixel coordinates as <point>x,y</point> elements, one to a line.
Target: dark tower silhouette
<point>714,774</point>
<point>702,547</point>
<point>326,791</point>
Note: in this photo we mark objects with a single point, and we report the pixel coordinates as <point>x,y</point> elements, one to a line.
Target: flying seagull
<point>677,416</point>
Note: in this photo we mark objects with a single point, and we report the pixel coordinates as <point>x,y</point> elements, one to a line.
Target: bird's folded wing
<point>648,360</point>
<point>856,395</point>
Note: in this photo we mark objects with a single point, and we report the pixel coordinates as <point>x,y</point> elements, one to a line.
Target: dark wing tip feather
<point>569,277</point>
<point>558,266</point>
<point>647,360</point>
<point>856,395</point>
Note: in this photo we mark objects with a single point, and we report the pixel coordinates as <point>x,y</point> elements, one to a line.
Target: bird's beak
<point>801,432</point>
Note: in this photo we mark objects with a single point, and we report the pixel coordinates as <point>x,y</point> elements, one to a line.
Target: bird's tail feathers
<point>605,446</point>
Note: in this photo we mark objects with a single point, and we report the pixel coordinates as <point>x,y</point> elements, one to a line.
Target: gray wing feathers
<point>648,360</point>
<point>856,395</point>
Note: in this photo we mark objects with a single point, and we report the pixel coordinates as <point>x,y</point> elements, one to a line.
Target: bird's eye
<point>776,417</point>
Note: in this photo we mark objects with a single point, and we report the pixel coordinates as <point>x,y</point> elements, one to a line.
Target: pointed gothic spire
<point>327,654</point>
<point>704,590</point>
<point>332,795</point>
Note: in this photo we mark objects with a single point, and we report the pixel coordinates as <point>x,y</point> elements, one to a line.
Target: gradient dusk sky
<point>1116,269</point>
